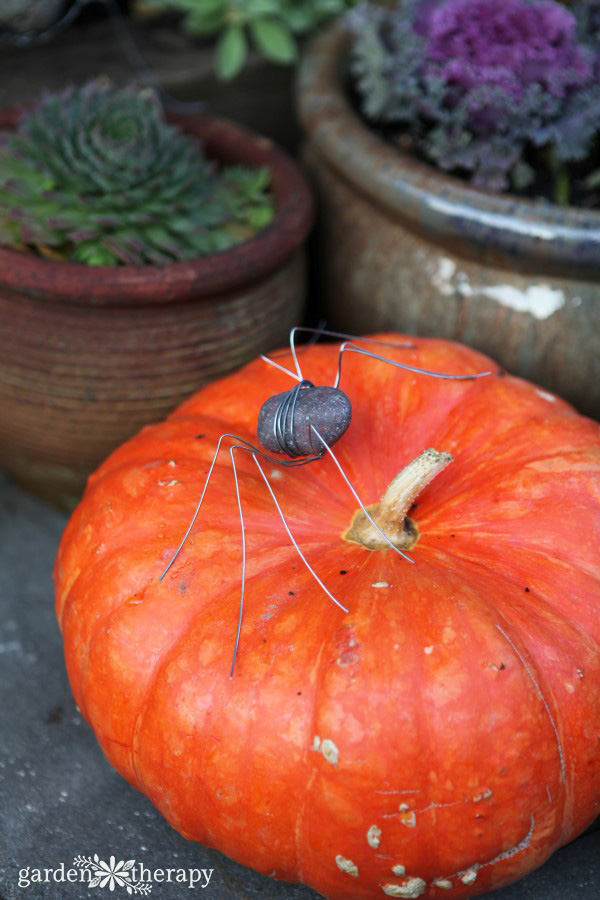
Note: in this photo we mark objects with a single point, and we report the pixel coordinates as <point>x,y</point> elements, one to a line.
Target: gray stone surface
<point>58,796</point>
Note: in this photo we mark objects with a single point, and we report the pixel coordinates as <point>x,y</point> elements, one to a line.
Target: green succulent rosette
<point>96,175</point>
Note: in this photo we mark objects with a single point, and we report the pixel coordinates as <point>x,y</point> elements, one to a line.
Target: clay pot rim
<point>519,228</point>
<point>207,276</point>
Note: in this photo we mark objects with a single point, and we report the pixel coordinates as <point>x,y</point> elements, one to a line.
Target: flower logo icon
<point>112,874</point>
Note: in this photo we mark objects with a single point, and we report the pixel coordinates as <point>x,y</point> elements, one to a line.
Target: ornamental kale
<point>96,175</point>
<point>484,89</point>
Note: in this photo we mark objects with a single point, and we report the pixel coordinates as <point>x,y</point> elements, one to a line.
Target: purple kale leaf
<point>480,87</point>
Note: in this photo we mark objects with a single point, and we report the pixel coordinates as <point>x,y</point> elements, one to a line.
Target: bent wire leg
<point>195,516</point>
<point>352,348</point>
<point>357,498</point>
<point>239,503</point>
<point>316,334</point>
<point>293,540</point>
<point>281,368</point>
<point>319,332</point>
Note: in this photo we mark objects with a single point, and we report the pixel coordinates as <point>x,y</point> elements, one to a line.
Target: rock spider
<point>300,426</point>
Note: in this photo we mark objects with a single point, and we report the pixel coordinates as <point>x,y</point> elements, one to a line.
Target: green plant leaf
<point>274,40</point>
<point>232,50</point>
<point>258,8</point>
<point>206,18</point>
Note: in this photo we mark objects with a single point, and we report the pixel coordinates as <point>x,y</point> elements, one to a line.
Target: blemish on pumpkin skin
<point>380,584</point>
<point>411,888</point>
<point>408,819</point>
<point>374,836</point>
<point>327,748</point>
<point>538,689</point>
<point>347,866</point>
<point>442,883</point>
<point>428,650</point>
<point>483,796</point>
<point>570,687</point>
<point>469,876</point>
<point>399,870</point>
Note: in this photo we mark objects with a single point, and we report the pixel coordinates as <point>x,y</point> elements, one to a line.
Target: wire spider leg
<point>196,513</point>
<point>319,332</point>
<point>281,368</point>
<point>292,539</point>
<point>357,498</point>
<point>243,591</point>
<point>243,445</point>
<point>352,348</point>
<point>316,334</point>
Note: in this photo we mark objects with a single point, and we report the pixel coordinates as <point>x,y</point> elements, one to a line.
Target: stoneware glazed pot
<point>88,355</point>
<point>403,246</point>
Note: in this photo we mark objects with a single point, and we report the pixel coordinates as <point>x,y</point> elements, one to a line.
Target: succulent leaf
<point>98,173</point>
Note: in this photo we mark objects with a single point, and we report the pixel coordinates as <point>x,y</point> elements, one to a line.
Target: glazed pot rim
<point>410,189</point>
<point>217,273</point>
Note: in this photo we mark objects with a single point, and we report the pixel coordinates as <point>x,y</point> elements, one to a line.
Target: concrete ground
<point>60,799</point>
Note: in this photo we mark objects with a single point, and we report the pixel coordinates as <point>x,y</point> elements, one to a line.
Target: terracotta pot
<point>404,247</point>
<point>88,355</point>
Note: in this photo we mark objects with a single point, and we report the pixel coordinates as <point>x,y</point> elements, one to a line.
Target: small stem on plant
<point>391,513</point>
<point>562,181</point>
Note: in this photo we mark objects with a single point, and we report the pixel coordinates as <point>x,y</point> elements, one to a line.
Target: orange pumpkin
<point>441,739</point>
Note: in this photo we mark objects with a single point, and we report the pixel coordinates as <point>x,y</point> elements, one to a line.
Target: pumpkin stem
<point>391,513</point>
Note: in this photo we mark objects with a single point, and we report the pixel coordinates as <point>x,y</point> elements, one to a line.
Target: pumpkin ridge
<point>487,570</point>
<point>300,825</point>
<point>494,478</point>
<point>169,650</point>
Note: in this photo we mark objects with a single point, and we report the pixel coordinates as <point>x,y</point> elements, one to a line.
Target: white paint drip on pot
<point>539,300</point>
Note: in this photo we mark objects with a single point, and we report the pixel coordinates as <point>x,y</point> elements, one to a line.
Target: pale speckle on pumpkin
<point>570,687</point>
<point>316,742</point>
<point>172,463</point>
<point>374,836</point>
<point>399,870</point>
<point>546,396</point>
<point>330,752</point>
<point>443,883</point>
<point>347,866</point>
<point>403,807</point>
<point>412,887</point>
<point>409,819</point>
<point>428,650</point>
<point>171,483</point>
<point>469,876</point>
<point>483,796</point>
<point>277,474</point>
<point>580,673</point>
<point>380,584</point>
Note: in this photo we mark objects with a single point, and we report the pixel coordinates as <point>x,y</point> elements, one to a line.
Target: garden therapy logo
<point>113,873</point>
<point>135,878</point>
